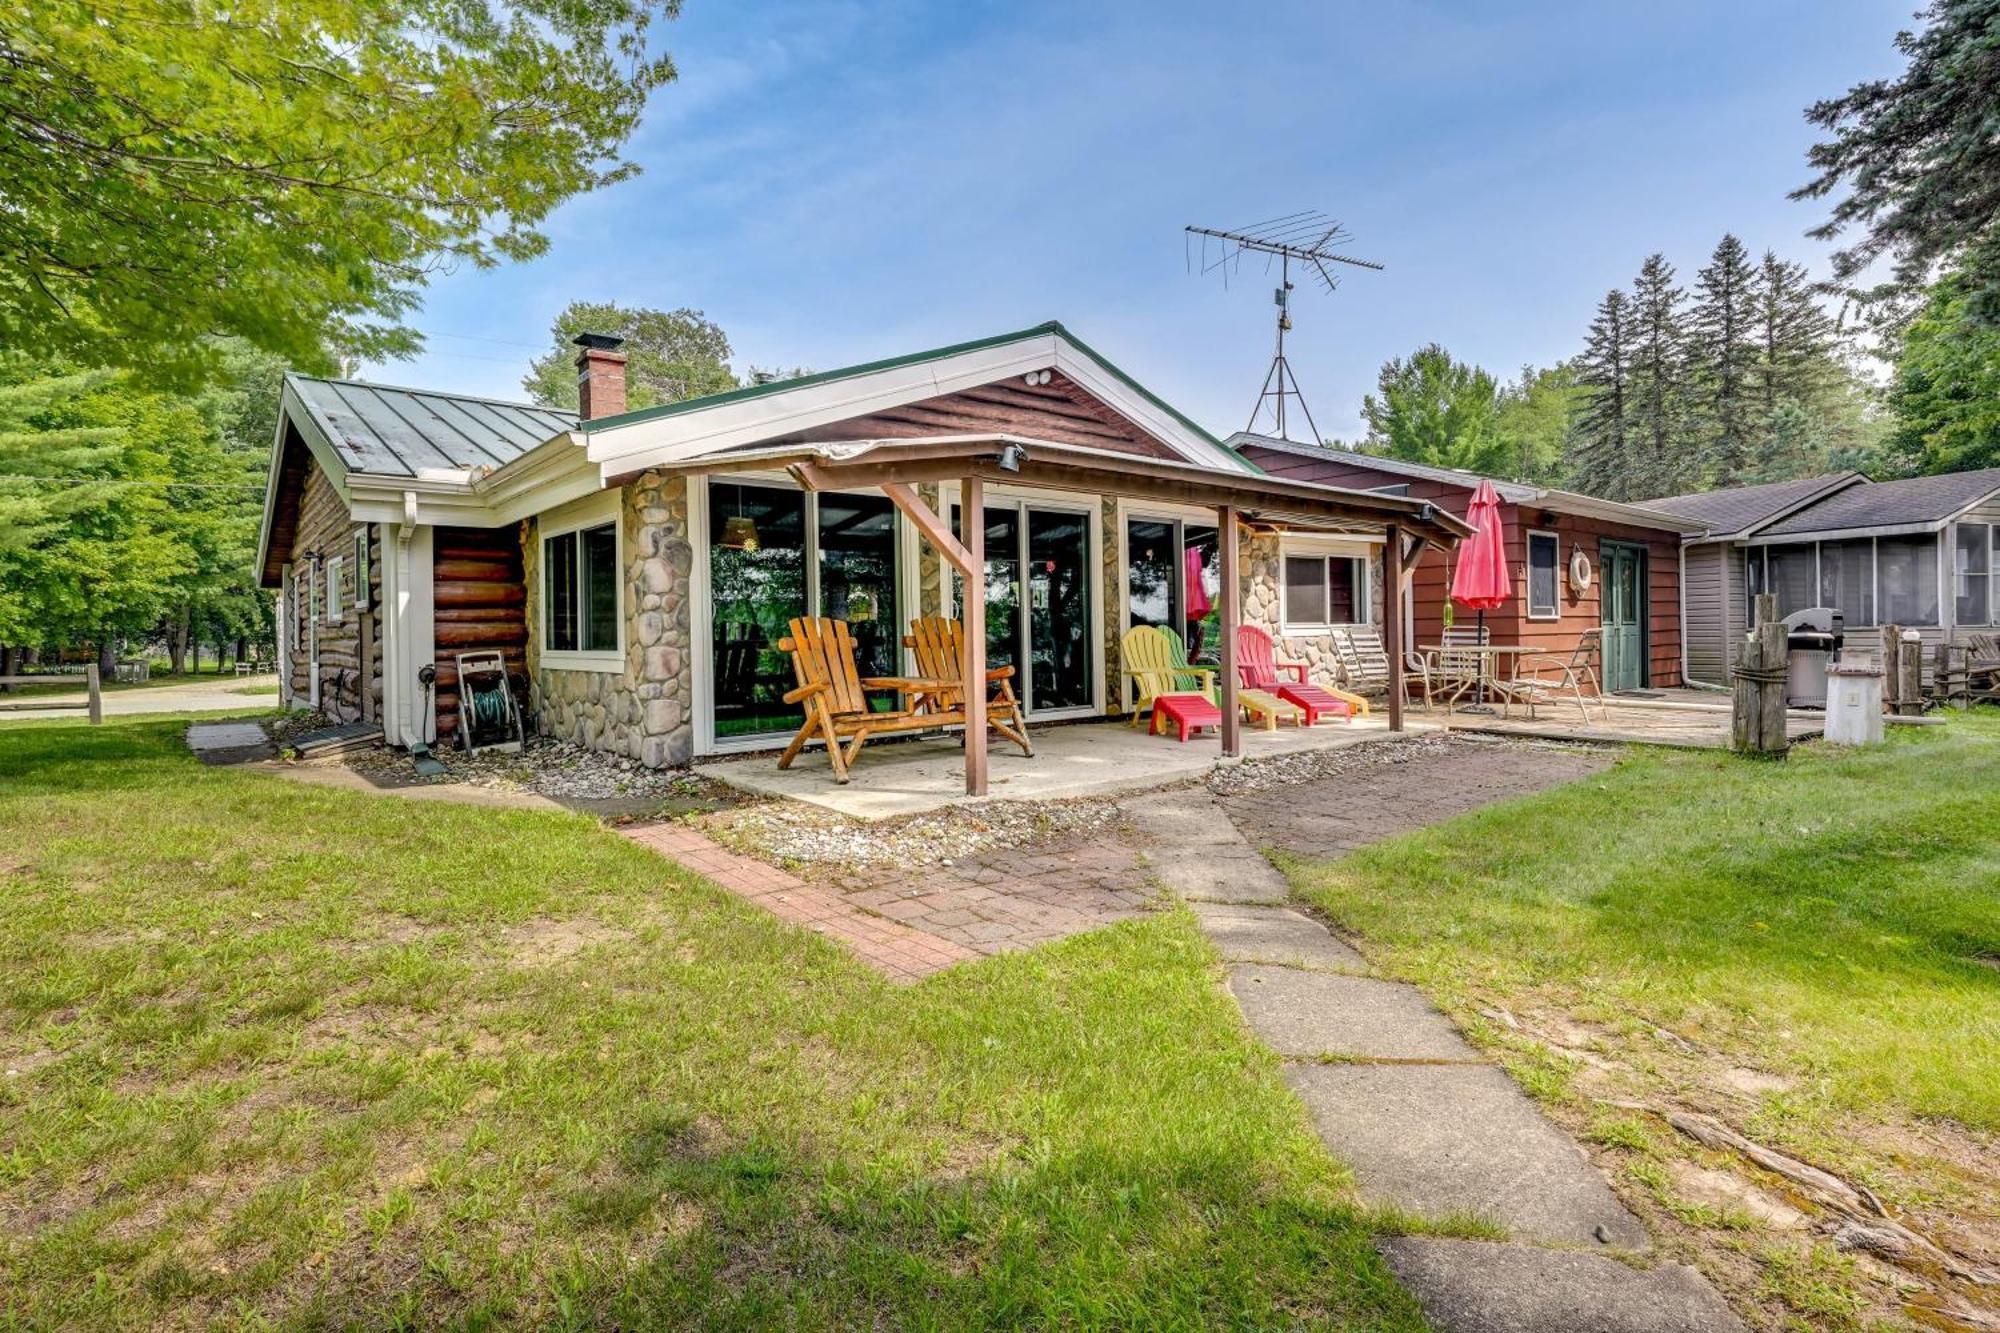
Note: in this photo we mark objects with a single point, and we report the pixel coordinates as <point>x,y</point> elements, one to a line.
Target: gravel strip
<point>556,769</point>
<point>808,835</point>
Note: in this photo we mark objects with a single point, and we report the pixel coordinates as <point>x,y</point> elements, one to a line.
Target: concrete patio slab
<point>1085,759</point>
<point>1278,935</point>
<point>205,736</point>
<point>1471,1286</point>
<point>1311,1014</point>
<point>1445,1139</point>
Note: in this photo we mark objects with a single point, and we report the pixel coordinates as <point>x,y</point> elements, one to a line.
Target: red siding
<point>1510,624</point>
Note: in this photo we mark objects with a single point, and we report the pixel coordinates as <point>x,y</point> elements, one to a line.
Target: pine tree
<point>1722,356</point>
<point>1661,462</point>
<point>1599,450</point>
<point>1794,337</point>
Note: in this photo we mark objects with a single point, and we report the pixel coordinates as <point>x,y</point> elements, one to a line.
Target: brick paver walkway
<point>902,953</point>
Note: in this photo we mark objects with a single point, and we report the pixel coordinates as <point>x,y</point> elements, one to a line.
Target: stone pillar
<point>659,654</point>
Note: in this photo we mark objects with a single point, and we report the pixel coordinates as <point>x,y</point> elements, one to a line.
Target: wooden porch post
<point>1392,620</point>
<point>972,525</point>
<point>1232,616</point>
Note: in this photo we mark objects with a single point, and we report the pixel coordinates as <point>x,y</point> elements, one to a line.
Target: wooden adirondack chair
<point>1149,662</point>
<point>1258,666</point>
<point>938,644</point>
<point>835,696</point>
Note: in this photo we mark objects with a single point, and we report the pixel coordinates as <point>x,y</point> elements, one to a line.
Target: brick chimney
<point>600,375</point>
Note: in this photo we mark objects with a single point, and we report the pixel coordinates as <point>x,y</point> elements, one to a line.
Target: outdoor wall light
<point>1011,456</point>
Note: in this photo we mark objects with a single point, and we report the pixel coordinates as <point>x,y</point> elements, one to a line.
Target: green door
<point>1623,569</point>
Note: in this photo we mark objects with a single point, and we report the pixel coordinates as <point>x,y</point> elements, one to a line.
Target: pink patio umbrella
<point>1481,580</point>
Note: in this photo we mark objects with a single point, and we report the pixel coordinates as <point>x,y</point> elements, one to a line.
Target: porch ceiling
<point>1275,501</point>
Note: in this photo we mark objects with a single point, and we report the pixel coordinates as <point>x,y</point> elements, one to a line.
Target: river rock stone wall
<point>1261,565</point>
<point>646,711</point>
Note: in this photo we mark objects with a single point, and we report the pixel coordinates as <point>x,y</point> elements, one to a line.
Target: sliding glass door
<point>1039,616</point>
<point>1172,581</point>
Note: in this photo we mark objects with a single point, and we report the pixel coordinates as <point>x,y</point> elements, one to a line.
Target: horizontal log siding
<point>321,523</point>
<point>479,593</point>
<point>1510,624</point>
<point>1061,410</point>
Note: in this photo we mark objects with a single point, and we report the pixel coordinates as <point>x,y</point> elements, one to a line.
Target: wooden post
<point>1910,675</point>
<point>1757,715</point>
<point>1892,648</point>
<point>972,672</point>
<point>91,678</point>
<point>1392,621</point>
<point>1232,616</point>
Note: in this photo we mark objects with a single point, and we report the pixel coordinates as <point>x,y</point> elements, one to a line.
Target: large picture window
<point>776,553</point>
<point>1320,590</point>
<point>1972,574</point>
<point>1544,577</point>
<point>580,590</point>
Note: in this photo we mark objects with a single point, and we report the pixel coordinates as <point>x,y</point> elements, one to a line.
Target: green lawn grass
<point>284,1055</point>
<point>1835,917</point>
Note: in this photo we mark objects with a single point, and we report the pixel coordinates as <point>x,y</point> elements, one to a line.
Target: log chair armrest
<point>805,691</point>
<point>1000,673</point>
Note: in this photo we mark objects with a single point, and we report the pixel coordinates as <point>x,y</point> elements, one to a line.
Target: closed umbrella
<point>1481,580</point>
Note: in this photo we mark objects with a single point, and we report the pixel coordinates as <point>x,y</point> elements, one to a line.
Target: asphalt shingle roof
<point>1744,507</point>
<point>381,429</point>
<point>1885,504</point>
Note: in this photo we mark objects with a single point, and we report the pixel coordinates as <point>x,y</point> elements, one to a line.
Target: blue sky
<point>835,182</point>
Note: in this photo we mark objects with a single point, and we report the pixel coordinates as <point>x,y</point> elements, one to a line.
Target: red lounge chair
<point>1187,712</point>
<point>1258,666</point>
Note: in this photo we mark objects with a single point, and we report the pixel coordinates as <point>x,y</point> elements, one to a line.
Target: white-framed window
<point>1972,573</point>
<point>1319,588</point>
<point>358,583</point>
<point>1544,576</point>
<point>336,591</point>
<point>583,593</point>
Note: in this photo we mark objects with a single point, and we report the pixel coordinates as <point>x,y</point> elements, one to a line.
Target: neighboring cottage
<point>1580,563</point>
<point>1920,553</point>
<point>638,568</point>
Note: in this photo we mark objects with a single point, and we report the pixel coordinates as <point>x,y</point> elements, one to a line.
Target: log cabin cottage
<point>1579,563</point>
<point>638,568</point>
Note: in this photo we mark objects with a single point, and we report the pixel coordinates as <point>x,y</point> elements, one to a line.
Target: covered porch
<point>922,477</point>
<point>1071,761</point>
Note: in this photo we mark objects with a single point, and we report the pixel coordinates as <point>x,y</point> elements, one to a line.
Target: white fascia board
<point>552,473</point>
<point>728,425</point>
<point>379,498</point>
<point>1844,534</point>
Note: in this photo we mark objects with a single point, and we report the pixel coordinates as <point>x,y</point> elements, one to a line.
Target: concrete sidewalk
<point>1428,1124</point>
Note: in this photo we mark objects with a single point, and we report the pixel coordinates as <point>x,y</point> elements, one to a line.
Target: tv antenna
<point>1309,238</point>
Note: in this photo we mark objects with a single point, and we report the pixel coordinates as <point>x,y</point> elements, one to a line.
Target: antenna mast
<point>1307,237</point>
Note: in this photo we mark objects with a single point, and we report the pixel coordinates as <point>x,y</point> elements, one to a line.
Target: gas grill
<point>1812,639</point>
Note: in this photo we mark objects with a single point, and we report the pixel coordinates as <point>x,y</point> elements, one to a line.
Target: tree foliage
<point>291,172</point>
<point>1721,324</point>
<point>1946,395</point>
<point>1920,161</point>
<point>672,355</point>
<point>1429,408</point>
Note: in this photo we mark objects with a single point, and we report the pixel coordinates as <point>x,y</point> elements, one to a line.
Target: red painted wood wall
<point>1510,624</point>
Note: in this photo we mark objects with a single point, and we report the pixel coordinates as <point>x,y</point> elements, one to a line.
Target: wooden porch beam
<point>1392,621</point>
<point>1232,616</point>
<point>934,529</point>
<point>972,605</point>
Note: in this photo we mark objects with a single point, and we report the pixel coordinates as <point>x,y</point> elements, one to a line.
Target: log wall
<point>350,681</point>
<point>479,593</point>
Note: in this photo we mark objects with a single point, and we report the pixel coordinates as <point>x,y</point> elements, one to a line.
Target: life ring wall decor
<point>1580,572</point>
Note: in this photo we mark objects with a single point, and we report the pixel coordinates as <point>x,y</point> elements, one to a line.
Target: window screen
<point>1305,590</point>
<point>1544,555</point>
<point>1908,580</point>
<point>1847,580</point>
<point>1972,574</point>
<point>559,592</point>
<point>599,597</point>
<point>1794,576</point>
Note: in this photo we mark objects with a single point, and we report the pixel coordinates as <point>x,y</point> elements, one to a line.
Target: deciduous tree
<point>291,172</point>
<point>671,354</point>
<point>1428,408</point>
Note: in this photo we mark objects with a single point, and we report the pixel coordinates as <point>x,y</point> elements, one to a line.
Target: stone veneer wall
<point>1261,607</point>
<point>645,712</point>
